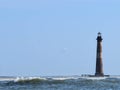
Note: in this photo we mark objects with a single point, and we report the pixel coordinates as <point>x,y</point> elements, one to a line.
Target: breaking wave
<point>41,80</point>
<point>61,83</point>
<point>59,80</point>
<point>62,80</point>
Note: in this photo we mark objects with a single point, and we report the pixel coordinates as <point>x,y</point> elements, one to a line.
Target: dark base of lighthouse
<point>87,75</point>
<point>99,75</point>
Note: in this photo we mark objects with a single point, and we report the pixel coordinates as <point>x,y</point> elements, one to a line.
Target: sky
<point>58,37</point>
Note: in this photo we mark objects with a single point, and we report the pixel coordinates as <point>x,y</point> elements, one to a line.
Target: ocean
<point>60,83</point>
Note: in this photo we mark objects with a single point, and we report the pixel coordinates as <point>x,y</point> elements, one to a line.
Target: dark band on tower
<point>99,64</point>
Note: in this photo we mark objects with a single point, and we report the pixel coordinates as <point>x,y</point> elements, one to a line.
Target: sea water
<point>60,83</point>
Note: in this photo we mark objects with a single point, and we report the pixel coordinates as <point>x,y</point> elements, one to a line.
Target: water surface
<point>59,83</point>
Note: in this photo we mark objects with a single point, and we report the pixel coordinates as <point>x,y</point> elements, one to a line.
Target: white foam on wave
<point>64,78</point>
<point>94,78</point>
<point>46,78</point>
<point>7,79</point>
<point>16,79</point>
<point>28,78</point>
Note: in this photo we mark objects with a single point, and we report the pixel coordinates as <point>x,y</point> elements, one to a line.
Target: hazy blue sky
<point>58,37</point>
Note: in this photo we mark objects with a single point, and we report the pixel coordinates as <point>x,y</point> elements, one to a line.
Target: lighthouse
<point>99,63</point>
